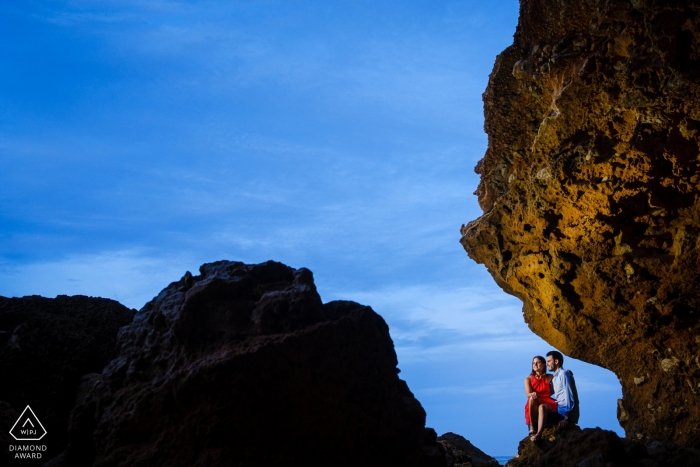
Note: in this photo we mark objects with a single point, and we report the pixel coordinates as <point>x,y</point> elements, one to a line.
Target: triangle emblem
<point>28,427</point>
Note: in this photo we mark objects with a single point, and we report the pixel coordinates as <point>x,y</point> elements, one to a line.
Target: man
<point>564,390</point>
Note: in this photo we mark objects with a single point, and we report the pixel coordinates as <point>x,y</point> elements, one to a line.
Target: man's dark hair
<point>556,356</point>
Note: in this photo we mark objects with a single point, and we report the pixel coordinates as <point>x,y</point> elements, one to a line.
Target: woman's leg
<point>543,410</point>
<point>532,407</point>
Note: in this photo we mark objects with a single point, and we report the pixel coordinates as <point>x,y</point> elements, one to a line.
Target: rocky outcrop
<point>46,346</point>
<point>593,447</point>
<point>244,365</point>
<point>589,189</point>
<point>462,451</point>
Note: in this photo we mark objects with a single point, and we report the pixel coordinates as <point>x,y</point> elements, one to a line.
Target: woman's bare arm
<point>528,388</point>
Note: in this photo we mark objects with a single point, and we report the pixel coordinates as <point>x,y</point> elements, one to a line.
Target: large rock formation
<point>46,346</point>
<point>244,365</point>
<point>589,189</point>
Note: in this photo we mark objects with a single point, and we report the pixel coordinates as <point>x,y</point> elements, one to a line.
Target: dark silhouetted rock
<point>8,417</point>
<point>593,447</point>
<point>46,346</point>
<point>243,365</point>
<point>590,188</point>
<point>669,454</point>
<point>462,451</point>
<point>434,453</point>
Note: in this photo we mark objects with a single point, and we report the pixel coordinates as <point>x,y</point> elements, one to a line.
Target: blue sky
<point>140,139</point>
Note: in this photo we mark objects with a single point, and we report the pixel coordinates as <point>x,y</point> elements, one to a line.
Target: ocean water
<point>503,459</point>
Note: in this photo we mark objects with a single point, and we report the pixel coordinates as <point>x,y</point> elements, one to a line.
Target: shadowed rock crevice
<point>589,188</point>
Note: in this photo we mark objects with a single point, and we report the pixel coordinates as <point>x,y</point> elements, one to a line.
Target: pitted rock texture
<point>46,346</point>
<point>244,365</point>
<point>589,188</point>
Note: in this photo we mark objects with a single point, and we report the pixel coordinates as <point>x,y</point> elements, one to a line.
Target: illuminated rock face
<point>589,189</point>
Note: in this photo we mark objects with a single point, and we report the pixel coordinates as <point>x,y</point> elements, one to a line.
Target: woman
<point>539,401</point>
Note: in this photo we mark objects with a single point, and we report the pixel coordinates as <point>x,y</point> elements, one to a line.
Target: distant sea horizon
<point>502,459</point>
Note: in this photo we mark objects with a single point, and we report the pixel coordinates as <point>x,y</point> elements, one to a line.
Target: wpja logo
<point>27,428</point>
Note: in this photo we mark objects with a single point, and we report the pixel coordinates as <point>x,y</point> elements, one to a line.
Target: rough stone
<point>593,447</point>
<point>462,451</point>
<point>589,188</point>
<point>244,365</point>
<point>46,346</point>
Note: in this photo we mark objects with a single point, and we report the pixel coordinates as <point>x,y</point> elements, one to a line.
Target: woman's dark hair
<point>540,358</point>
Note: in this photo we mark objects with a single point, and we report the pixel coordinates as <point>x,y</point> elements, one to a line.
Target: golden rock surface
<point>589,188</point>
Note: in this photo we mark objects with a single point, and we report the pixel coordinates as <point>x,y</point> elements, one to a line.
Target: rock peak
<point>244,365</point>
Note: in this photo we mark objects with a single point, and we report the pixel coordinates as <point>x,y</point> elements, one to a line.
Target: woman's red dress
<point>542,388</point>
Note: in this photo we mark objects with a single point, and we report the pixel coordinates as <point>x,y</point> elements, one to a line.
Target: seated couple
<point>541,409</point>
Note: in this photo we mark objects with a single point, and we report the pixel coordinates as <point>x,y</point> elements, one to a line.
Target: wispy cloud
<point>358,66</point>
<point>466,311</point>
<point>491,387</point>
<point>130,276</point>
